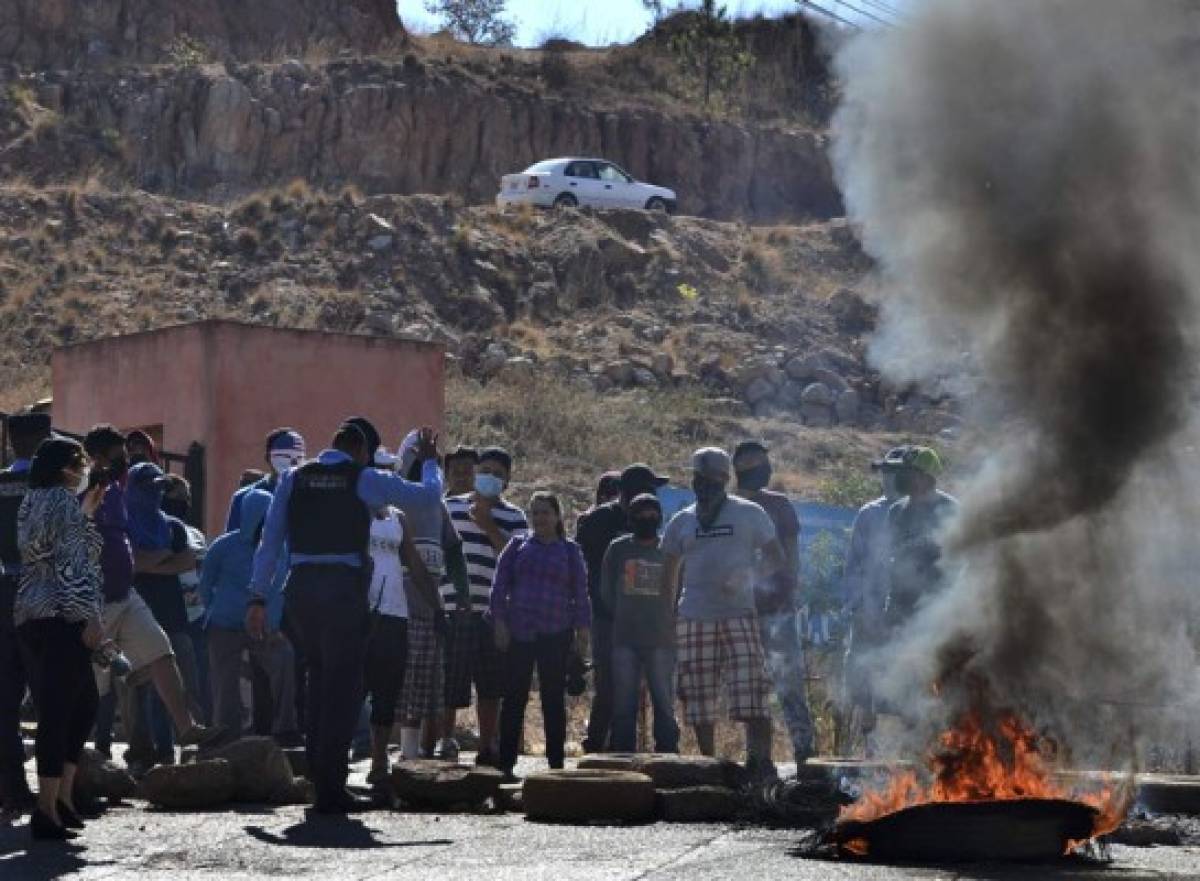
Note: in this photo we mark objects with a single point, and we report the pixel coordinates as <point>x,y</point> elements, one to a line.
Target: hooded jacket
<point>225,578</point>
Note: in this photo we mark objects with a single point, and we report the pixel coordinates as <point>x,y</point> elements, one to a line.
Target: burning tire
<point>1020,830</point>
<point>589,795</point>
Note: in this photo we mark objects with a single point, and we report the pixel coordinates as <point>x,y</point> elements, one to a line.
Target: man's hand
<point>256,620</point>
<point>93,634</point>
<point>427,441</point>
<point>583,643</point>
<point>481,513</point>
<point>502,635</point>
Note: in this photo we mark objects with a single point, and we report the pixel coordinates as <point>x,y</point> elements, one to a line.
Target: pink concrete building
<point>225,385</point>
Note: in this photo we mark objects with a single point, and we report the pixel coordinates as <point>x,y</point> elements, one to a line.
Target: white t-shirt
<point>387,596</point>
<point>719,563</point>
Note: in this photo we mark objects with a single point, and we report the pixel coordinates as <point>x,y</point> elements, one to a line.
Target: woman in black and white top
<point>57,614</point>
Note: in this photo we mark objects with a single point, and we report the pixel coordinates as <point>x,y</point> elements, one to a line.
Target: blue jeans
<point>785,662</point>
<point>628,664</point>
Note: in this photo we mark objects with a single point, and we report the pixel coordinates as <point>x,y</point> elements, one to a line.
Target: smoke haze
<point>1027,174</point>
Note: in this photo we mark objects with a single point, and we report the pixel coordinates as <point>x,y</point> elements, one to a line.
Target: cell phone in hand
<point>99,477</point>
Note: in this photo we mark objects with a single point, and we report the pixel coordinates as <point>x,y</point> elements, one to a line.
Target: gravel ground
<point>291,843</point>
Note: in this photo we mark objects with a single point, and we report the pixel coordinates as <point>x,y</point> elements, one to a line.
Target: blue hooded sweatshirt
<point>225,578</point>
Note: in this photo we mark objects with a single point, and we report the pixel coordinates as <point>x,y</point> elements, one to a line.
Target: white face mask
<point>281,462</point>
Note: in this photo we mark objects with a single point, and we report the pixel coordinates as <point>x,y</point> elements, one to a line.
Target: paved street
<point>287,843</point>
<point>278,844</point>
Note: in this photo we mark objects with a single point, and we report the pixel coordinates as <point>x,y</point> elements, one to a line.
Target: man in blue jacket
<point>225,591</point>
<point>323,511</point>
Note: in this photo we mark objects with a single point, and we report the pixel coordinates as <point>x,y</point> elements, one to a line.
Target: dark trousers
<point>601,718</point>
<point>387,655</point>
<point>301,666</point>
<point>327,607</point>
<point>549,654</point>
<point>12,693</point>
<point>64,691</point>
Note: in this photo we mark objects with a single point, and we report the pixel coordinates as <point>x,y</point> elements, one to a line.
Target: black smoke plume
<point>1027,173</point>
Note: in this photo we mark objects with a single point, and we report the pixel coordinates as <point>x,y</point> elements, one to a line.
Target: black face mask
<point>176,507</point>
<point>756,478</point>
<point>707,491</point>
<point>117,467</point>
<point>645,527</point>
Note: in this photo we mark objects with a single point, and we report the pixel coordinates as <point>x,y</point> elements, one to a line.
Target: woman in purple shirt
<point>540,611</point>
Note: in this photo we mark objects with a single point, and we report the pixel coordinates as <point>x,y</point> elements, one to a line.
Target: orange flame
<point>1002,762</point>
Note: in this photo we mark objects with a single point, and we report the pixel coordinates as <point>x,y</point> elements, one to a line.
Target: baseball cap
<point>711,462</point>
<point>893,459</point>
<point>370,432</point>
<point>286,442</point>
<point>645,500</point>
<point>924,459</point>
<point>29,424</point>
<point>640,477</point>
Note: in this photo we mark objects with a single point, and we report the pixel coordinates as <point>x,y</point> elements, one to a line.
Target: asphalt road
<point>291,843</point>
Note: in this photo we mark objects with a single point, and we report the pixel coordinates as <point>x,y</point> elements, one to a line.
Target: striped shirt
<point>60,557</point>
<point>478,550</point>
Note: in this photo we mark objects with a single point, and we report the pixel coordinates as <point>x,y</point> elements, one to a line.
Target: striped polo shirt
<point>479,553</point>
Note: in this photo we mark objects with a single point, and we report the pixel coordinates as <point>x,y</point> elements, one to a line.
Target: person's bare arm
<point>481,513</point>
<point>774,559</point>
<point>674,568</point>
<point>163,562</point>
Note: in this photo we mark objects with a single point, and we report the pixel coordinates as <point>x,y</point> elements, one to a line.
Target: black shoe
<point>88,808</point>
<point>42,828</point>
<point>343,802</point>
<point>24,803</point>
<point>70,819</point>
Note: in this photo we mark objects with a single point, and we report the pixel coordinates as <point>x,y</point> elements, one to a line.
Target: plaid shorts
<point>471,657</point>
<point>421,694</point>
<point>714,651</point>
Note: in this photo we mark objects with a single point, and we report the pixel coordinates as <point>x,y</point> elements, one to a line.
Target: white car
<point>571,182</point>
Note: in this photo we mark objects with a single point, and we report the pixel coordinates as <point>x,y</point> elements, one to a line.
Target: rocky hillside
<point>766,319</point>
<point>431,116</point>
<point>263,173</point>
<point>57,34</point>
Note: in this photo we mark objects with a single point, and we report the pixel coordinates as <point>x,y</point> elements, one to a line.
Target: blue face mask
<point>489,486</point>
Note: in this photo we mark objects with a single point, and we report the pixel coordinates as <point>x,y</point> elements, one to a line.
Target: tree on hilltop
<point>710,51</point>
<point>478,22</point>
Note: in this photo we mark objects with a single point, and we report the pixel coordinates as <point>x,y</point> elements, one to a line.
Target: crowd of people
<point>369,595</point>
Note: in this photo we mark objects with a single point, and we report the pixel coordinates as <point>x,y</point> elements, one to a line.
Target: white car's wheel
<point>657,204</point>
<point>566,200</point>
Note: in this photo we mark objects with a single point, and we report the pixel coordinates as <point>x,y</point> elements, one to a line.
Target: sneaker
<point>447,749</point>
<point>201,735</point>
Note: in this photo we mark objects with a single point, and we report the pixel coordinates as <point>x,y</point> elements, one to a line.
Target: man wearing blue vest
<point>323,511</point>
<point>25,431</point>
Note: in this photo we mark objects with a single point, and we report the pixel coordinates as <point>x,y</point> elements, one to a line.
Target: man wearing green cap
<point>915,525</point>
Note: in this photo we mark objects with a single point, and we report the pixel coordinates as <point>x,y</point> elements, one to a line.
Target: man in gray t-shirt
<point>723,545</point>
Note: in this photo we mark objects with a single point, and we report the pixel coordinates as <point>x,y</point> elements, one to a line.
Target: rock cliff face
<point>398,127</point>
<point>72,33</point>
